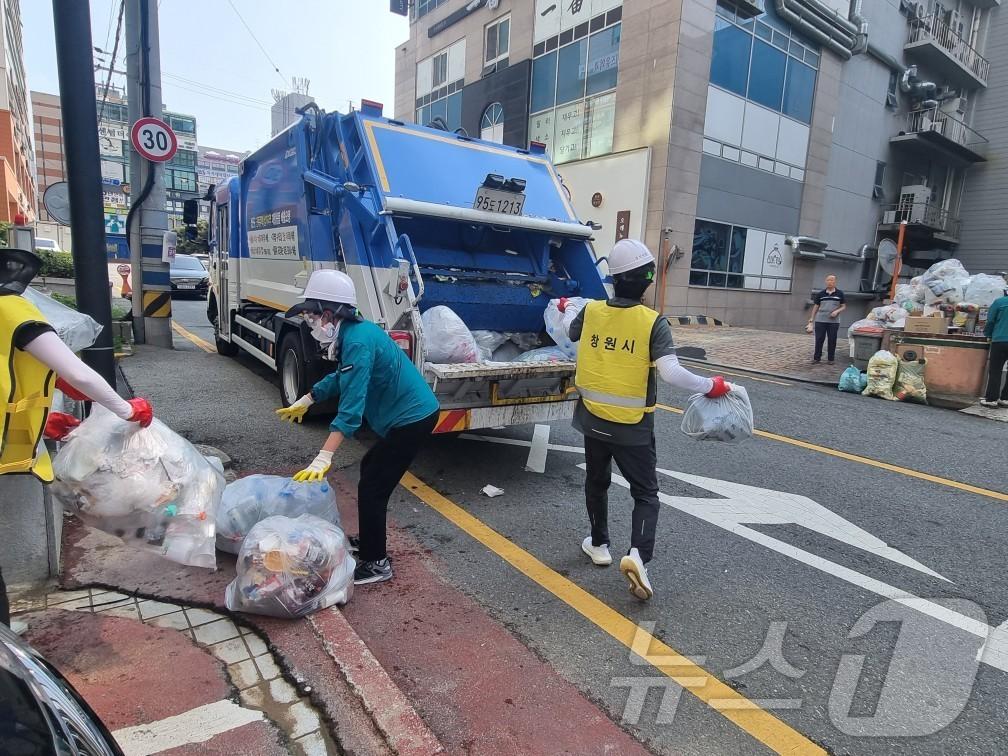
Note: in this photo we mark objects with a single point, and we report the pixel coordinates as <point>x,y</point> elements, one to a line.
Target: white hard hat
<point>331,286</point>
<point>627,255</point>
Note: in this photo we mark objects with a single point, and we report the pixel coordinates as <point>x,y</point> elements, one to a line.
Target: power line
<point>252,34</point>
<point>202,85</point>
<point>111,68</point>
<point>218,96</point>
<point>108,27</point>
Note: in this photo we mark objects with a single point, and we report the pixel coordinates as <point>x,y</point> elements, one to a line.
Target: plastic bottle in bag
<point>882,368</point>
<point>289,567</point>
<point>728,418</point>
<point>554,324</point>
<point>148,486</point>
<point>251,499</point>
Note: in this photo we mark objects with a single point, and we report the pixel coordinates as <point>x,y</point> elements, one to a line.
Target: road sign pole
<point>72,21</point>
<point>151,286</point>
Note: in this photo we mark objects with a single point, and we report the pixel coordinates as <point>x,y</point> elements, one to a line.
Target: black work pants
<point>380,471</point>
<point>638,465</point>
<point>824,332</point>
<point>4,603</point>
<point>995,367</point>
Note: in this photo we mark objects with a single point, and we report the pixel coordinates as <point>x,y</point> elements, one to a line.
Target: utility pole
<point>72,21</point>
<point>147,220</point>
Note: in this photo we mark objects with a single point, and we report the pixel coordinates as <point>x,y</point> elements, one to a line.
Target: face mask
<point>323,333</point>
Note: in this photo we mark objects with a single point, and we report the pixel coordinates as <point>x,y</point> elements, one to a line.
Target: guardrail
<point>936,120</point>
<point>925,214</point>
<point>935,29</point>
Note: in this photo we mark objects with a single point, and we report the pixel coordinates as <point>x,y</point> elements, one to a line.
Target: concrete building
<point>284,110</point>
<point>50,162</point>
<point>214,166</point>
<point>755,145</point>
<point>17,178</point>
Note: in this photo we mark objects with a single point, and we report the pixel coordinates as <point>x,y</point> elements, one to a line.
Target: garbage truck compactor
<point>418,217</point>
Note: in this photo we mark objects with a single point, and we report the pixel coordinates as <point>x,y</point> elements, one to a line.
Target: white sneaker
<point>1003,403</point>
<point>599,554</point>
<point>634,571</point>
<point>18,627</point>
<point>985,403</point>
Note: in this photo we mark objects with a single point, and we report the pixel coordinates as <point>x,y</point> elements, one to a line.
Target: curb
<point>782,376</point>
<point>394,716</point>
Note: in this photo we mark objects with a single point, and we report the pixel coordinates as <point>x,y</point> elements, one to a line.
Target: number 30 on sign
<point>154,139</point>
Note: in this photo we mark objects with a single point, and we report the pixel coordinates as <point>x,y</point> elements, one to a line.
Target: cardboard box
<point>938,326</point>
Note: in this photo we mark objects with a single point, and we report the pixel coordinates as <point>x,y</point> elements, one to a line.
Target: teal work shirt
<point>376,382</point>
<point>997,320</point>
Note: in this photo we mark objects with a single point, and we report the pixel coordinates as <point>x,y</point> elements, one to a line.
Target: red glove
<point>562,304</point>
<point>143,413</point>
<point>721,387</point>
<point>58,424</point>
<point>71,392</point>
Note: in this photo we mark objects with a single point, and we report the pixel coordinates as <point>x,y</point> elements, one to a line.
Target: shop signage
<point>453,18</point>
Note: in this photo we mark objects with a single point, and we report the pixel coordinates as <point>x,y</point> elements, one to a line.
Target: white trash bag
<point>554,323</point>
<point>545,354</point>
<point>983,289</point>
<point>447,340</point>
<point>148,486</point>
<point>253,498</point>
<point>488,342</point>
<point>728,418</point>
<point>75,329</point>
<point>291,566</point>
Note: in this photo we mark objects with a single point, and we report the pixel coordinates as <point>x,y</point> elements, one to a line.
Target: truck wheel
<point>292,369</point>
<point>224,348</point>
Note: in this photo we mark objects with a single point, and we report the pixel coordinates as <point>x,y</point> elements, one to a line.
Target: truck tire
<point>292,369</point>
<point>224,348</point>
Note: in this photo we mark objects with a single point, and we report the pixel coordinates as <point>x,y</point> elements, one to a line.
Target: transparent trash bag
<point>983,289</point>
<point>851,381</point>
<point>882,368</point>
<point>488,342</point>
<point>554,323</point>
<point>447,339</point>
<point>248,500</point>
<point>506,352</point>
<point>148,486</point>
<point>867,326</point>
<point>545,354</point>
<point>291,566</point>
<point>909,385</point>
<point>75,329</point>
<point>728,418</point>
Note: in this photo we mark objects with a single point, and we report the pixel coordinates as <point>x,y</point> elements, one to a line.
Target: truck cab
<point>418,217</point>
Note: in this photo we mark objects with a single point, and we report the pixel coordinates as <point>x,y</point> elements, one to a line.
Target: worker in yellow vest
<point>621,346</point>
<point>32,355</point>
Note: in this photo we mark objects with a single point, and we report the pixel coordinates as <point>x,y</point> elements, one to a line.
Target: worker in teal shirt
<point>375,382</point>
<point>997,331</point>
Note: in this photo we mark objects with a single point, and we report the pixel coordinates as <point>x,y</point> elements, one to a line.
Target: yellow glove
<point>316,470</point>
<point>296,412</point>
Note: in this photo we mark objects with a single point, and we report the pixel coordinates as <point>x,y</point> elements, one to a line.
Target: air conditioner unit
<point>913,203</point>
<point>889,217</point>
<point>962,107</point>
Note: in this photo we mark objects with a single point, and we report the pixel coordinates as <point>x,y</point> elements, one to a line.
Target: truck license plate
<point>497,201</point>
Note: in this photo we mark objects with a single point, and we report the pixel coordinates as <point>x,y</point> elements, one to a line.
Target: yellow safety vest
<point>614,362</point>
<point>26,386</point>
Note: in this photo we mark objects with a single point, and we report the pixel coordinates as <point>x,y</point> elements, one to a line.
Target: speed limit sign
<point>154,139</point>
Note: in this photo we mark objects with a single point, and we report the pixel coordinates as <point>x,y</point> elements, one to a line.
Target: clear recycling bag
<point>291,566</point>
<point>248,500</point>
<point>148,486</point>
<point>728,418</point>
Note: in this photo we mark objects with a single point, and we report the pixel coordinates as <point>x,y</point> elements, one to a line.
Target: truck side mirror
<point>190,212</point>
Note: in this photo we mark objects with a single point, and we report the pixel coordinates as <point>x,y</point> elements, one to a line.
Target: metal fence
<point>935,29</point>
<point>927,214</point>
<point>940,122</point>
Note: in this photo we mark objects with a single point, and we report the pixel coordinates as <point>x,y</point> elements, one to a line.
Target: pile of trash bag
<point>728,418</point>
<point>148,486</point>
<point>251,499</point>
<point>853,381</point>
<point>983,289</point>
<point>447,339</point>
<point>909,385</point>
<point>75,329</point>
<point>545,354</point>
<point>882,369</point>
<point>554,323</point>
<point>291,566</point>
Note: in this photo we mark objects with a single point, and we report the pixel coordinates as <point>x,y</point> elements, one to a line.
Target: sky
<point>213,68</point>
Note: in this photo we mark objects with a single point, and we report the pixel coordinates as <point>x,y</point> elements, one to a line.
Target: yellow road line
<point>205,346</point>
<point>747,715</point>
<point>998,495</point>
<point>719,371</point>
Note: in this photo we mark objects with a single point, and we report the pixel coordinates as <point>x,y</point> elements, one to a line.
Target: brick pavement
<point>772,352</point>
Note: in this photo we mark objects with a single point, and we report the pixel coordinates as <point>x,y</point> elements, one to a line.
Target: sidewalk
<point>776,353</point>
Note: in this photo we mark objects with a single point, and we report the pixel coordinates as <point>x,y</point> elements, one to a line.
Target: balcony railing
<point>928,214</point>
<point>939,122</point>
<point>935,30</point>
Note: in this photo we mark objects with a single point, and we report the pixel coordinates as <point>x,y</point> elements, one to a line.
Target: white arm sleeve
<point>676,375</point>
<point>49,350</point>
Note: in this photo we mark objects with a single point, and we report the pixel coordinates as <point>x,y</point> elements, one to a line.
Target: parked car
<point>39,709</point>
<point>47,245</point>
<point>188,276</point>
<point>203,258</point>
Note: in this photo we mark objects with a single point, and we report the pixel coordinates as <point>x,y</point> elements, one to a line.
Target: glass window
<point>439,69</point>
<point>497,39</point>
<point>603,59</point>
<point>455,111</point>
<point>492,123</point>
<point>766,79</point>
<point>571,64</point>
<point>799,91</point>
<point>601,118</point>
<point>710,246</point>
<point>544,72</point>
<point>730,62</point>
<point>439,109</point>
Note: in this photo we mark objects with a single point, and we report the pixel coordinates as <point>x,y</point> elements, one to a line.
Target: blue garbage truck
<point>417,217</point>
